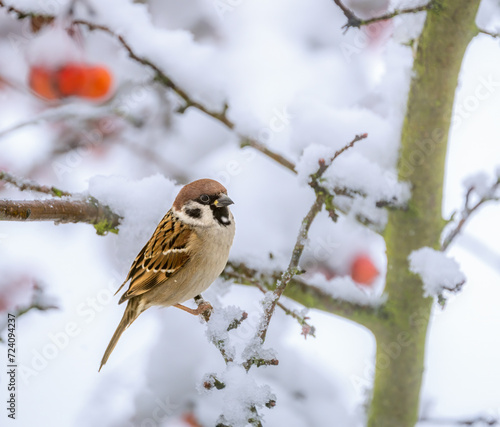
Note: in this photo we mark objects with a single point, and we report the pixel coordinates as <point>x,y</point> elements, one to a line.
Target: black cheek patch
<point>193,213</point>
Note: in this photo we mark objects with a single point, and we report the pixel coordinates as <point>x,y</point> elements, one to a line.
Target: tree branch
<point>469,208</point>
<point>221,116</point>
<point>24,184</point>
<point>61,211</point>
<point>20,14</point>
<point>489,33</point>
<point>488,421</point>
<point>315,182</point>
<point>292,269</point>
<point>353,21</point>
<point>306,294</point>
<point>249,142</point>
<point>160,76</point>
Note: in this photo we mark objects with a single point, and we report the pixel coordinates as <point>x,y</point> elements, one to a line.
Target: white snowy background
<point>293,80</point>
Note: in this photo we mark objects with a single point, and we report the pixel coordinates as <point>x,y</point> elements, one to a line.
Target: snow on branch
<point>232,272</point>
<point>304,293</point>
<point>24,184</point>
<point>437,270</point>
<point>220,116</point>
<point>293,267</point>
<point>89,211</point>
<point>353,21</point>
<point>59,210</point>
<point>242,396</point>
<point>315,181</point>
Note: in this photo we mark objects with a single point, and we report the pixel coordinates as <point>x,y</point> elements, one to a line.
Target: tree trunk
<point>448,29</point>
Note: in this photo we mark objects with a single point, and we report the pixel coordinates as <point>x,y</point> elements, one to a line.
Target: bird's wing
<point>164,254</point>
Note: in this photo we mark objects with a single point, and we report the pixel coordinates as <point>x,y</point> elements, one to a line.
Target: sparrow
<point>186,253</point>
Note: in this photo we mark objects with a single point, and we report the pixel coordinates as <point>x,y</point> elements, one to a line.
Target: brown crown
<point>195,189</point>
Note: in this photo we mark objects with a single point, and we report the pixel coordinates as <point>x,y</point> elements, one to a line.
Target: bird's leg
<point>204,307</point>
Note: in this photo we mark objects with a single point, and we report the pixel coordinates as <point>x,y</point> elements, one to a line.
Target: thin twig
<point>23,184</point>
<point>469,209</point>
<point>249,142</point>
<point>292,269</point>
<point>315,181</point>
<point>397,12</point>
<point>232,273</point>
<point>464,422</point>
<point>353,21</point>
<point>304,293</point>
<point>20,14</point>
<point>160,76</point>
<point>325,165</point>
<point>489,33</point>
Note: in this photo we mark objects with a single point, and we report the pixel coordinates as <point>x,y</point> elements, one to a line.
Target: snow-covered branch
<point>353,21</point>
<point>293,267</point>
<point>24,184</point>
<point>315,181</point>
<point>60,211</point>
<point>304,293</point>
<point>307,329</point>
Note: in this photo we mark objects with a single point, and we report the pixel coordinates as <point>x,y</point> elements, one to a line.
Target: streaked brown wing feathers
<point>164,254</point>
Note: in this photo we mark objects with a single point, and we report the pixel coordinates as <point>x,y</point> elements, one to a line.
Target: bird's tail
<point>134,308</point>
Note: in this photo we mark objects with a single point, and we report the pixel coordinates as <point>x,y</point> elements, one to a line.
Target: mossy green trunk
<point>448,29</point>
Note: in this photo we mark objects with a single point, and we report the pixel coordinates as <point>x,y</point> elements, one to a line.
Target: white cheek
<point>204,220</point>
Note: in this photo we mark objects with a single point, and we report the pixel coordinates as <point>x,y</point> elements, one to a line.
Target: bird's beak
<point>222,201</point>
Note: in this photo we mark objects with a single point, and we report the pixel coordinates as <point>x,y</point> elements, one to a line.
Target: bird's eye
<point>204,198</point>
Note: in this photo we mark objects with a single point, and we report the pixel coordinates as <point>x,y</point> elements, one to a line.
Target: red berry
<point>98,81</point>
<point>43,83</point>
<point>363,271</point>
<point>71,79</point>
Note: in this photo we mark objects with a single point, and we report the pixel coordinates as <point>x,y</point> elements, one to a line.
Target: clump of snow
<point>481,183</point>
<point>409,26</point>
<point>240,394</point>
<point>217,327</point>
<point>369,178</point>
<point>53,47</point>
<point>437,270</point>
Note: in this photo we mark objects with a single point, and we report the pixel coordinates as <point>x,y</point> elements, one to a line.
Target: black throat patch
<point>221,215</point>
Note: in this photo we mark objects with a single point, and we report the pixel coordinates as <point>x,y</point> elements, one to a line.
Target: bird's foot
<point>204,308</point>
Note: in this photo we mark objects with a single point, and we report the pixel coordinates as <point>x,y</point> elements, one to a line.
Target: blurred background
<point>77,113</point>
